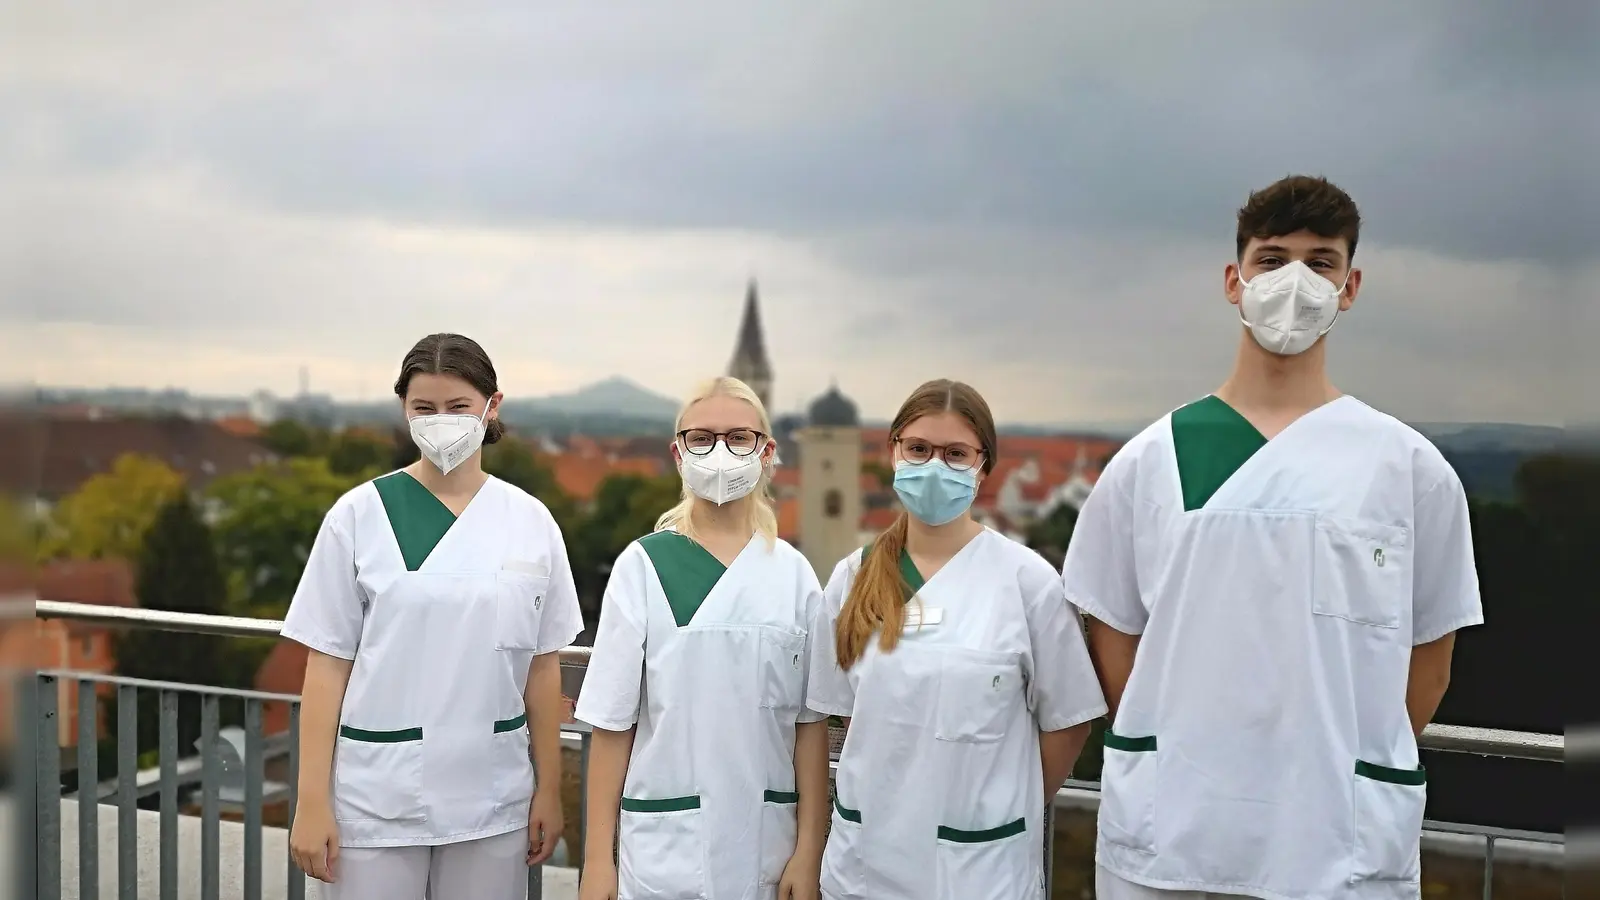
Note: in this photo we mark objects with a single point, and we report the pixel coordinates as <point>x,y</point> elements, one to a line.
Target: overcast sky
<point>1036,197</point>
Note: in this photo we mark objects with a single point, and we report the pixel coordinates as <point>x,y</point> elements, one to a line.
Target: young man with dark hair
<point>1274,576</point>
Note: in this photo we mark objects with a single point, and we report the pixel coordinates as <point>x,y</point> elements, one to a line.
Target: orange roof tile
<point>240,426</point>
<point>580,476</point>
<point>101,582</point>
<point>789,519</point>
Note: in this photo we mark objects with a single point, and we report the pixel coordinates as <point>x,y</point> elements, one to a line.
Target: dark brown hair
<point>1299,203</point>
<point>878,595</point>
<point>458,355</point>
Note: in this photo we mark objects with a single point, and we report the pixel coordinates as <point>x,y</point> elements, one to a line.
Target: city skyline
<point>219,197</point>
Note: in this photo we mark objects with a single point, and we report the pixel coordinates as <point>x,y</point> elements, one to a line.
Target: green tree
<point>1051,534</point>
<point>625,508</point>
<point>358,453</point>
<point>404,451</point>
<point>267,520</point>
<point>178,571</point>
<point>879,470</point>
<point>108,516</point>
<point>286,437</point>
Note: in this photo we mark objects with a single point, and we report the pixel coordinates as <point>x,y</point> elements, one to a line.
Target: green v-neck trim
<point>908,571</point>
<point>1211,441</point>
<point>687,572</point>
<point>418,519</point>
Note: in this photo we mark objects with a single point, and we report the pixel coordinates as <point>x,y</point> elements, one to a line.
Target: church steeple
<point>750,364</point>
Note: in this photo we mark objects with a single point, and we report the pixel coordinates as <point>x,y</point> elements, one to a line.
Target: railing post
<point>1049,846</point>
<point>297,879</point>
<point>127,797</point>
<point>210,807</point>
<point>47,742</point>
<point>1488,866</point>
<point>168,749</point>
<point>88,792</point>
<point>25,814</point>
<point>583,796</point>
<point>254,775</point>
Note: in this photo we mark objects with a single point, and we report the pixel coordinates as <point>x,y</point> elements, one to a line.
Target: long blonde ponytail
<point>760,514</point>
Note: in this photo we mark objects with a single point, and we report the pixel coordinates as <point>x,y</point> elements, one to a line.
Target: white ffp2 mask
<point>1289,308</point>
<point>719,476</point>
<point>448,440</point>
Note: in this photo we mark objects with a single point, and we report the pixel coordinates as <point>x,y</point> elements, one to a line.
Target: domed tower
<point>830,481</point>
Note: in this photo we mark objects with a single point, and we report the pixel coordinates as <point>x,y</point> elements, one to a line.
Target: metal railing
<point>232,771</point>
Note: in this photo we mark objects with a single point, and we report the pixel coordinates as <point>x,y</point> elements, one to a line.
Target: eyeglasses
<point>740,441</point>
<point>959,457</point>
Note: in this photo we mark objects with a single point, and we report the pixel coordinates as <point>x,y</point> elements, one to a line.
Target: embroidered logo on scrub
<point>995,683</point>
<point>1377,557</point>
<point>797,660</point>
<point>539,598</point>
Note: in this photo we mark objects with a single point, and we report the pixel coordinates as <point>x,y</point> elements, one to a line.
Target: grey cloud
<point>1070,117</point>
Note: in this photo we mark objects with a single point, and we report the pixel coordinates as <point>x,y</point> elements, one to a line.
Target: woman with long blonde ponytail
<point>707,775</point>
<point>962,674</point>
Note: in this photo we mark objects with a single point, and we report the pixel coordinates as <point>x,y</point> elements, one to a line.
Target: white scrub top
<point>1262,746</point>
<point>442,616</point>
<point>710,663</point>
<point>940,789</point>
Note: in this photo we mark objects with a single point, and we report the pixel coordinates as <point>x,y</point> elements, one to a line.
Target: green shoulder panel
<point>1211,441</point>
<point>687,572</point>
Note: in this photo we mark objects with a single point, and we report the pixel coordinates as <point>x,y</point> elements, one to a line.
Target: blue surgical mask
<point>933,492</point>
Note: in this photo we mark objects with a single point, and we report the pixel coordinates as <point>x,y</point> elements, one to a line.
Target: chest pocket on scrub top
<point>1361,571</point>
<point>520,589</point>
<point>783,669</point>
<point>976,691</point>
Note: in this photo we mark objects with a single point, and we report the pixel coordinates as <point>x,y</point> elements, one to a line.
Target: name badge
<point>922,616</point>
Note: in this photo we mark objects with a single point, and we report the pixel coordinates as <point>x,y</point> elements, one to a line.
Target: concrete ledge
<point>559,883</point>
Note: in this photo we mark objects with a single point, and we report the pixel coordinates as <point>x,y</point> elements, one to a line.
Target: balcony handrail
<point>1448,738</point>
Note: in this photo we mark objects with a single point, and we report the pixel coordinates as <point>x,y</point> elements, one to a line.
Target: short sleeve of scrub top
<point>609,699</point>
<point>1444,574</point>
<point>562,621</point>
<point>828,688</point>
<point>328,606</point>
<point>1063,689</point>
<point>813,609</point>
<point>1099,573</point>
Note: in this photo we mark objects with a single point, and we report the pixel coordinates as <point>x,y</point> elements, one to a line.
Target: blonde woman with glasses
<point>707,776</point>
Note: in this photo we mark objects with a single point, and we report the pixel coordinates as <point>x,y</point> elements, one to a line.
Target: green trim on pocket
<point>670,804</point>
<point>849,815</point>
<point>1130,744</point>
<point>785,797</point>
<point>403,736</point>
<point>1409,777</point>
<point>512,724</point>
<point>958,836</point>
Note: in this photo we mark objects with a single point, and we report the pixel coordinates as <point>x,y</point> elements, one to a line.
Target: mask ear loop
<point>1336,308</point>
<point>1244,285</point>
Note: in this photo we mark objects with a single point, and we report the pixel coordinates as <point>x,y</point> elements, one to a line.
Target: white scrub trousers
<point>1110,887</point>
<point>492,868</point>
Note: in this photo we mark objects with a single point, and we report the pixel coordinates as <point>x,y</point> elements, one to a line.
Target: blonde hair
<point>760,516</point>
<point>877,599</point>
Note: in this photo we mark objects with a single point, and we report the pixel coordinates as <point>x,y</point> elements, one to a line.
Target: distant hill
<point>614,397</point>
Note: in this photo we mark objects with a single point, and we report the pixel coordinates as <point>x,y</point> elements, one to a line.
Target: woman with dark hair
<point>962,675</point>
<point>433,604</point>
